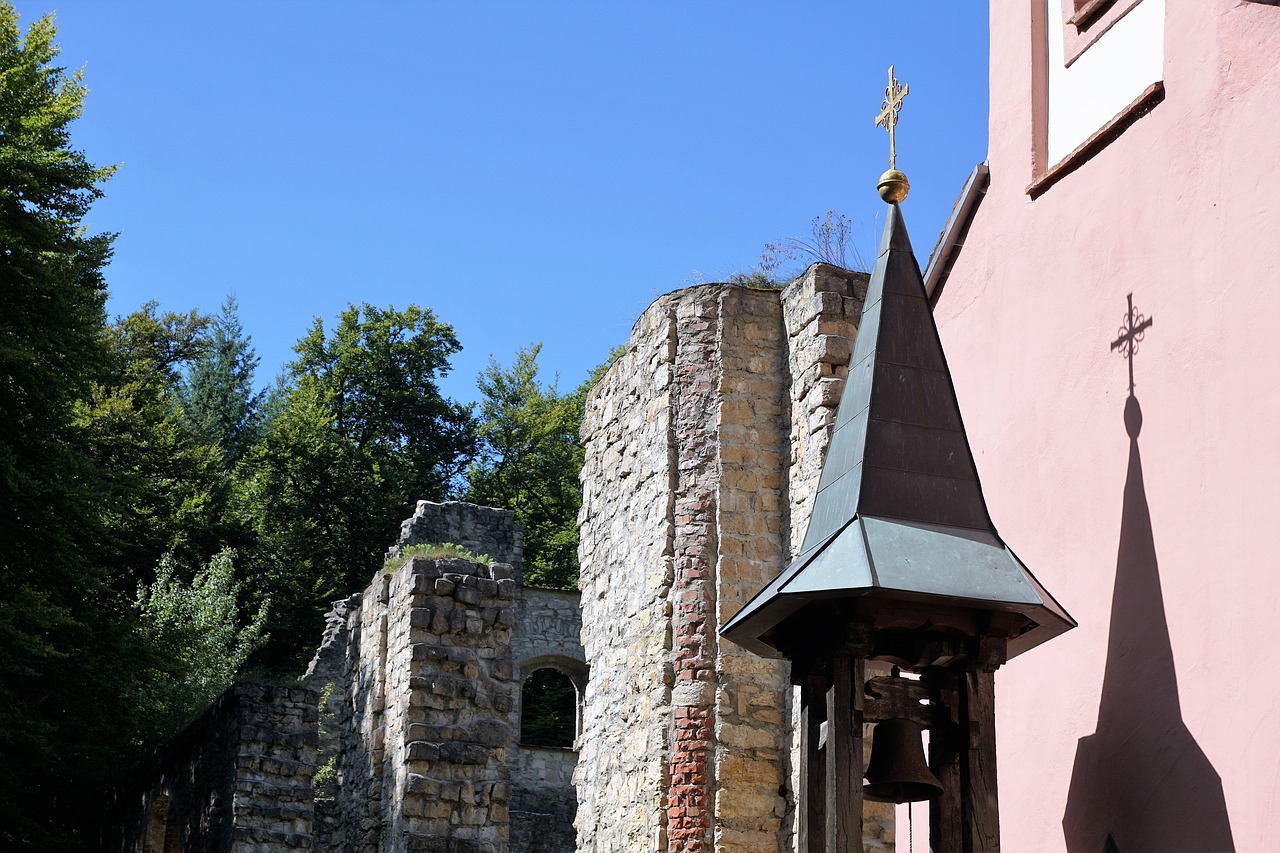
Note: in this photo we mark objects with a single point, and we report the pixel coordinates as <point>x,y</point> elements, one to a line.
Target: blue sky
<point>532,171</point>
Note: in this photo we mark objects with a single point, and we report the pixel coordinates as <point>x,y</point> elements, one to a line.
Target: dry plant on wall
<point>830,244</point>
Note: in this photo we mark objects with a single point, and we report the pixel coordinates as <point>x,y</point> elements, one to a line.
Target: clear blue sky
<point>532,171</point>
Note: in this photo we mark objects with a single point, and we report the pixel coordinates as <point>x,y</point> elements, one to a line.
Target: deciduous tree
<point>162,487</point>
<point>358,434</point>
<point>200,637</point>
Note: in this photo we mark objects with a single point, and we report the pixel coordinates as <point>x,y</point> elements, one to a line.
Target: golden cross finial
<point>893,95</point>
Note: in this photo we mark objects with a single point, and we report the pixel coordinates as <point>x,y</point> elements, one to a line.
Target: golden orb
<point>893,186</point>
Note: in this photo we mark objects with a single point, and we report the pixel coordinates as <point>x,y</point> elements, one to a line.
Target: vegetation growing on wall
<point>444,550</point>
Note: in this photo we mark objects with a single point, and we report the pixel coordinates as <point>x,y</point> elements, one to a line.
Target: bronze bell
<point>897,771</point>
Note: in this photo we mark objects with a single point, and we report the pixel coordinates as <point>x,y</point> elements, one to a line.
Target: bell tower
<point>901,571</point>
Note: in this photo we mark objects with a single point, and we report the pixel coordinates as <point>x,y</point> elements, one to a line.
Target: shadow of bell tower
<point>1141,783</point>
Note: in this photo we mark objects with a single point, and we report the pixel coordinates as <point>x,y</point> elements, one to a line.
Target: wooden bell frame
<point>954,699</point>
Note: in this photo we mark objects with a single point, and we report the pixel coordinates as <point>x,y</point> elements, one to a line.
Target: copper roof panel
<point>845,450</point>
<point>830,508</point>
<point>914,395</point>
<point>921,449</point>
<point>929,498</point>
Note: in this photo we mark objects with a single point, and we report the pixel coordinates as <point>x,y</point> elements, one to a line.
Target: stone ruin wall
<point>625,523</point>
<point>413,696</point>
<point>422,717</point>
<point>237,780</point>
<point>543,802</point>
<point>482,530</point>
<point>419,712</point>
<point>704,444</point>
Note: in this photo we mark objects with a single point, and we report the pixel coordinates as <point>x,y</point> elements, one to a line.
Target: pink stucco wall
<point>1183,211</point>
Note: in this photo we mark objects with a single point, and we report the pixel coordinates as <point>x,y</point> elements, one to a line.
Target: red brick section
<point>688,815</point>
<point>693,424</point>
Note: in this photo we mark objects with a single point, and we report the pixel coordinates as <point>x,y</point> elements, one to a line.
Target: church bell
<point>898,771</point>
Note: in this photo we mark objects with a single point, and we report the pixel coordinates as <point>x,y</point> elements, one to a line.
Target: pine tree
<point>218,399</point>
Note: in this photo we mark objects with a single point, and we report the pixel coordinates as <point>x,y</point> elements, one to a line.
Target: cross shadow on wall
<point>1140,783</point>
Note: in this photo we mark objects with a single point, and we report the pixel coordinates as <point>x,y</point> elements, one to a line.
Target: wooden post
<point>859,750</point>
<point>811,799</point>
<point>844,757</point>
<point>945,811</point>
<point>981,803</point>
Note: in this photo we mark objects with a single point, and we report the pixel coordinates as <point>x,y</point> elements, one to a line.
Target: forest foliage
<point>165,525</point>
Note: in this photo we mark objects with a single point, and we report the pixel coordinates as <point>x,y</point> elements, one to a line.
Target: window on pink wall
<point>1086,118</point>
<point>1086,21</point>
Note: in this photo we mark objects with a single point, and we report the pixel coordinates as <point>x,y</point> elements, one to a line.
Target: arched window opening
<point>160,834</point>
<point>548,709</point>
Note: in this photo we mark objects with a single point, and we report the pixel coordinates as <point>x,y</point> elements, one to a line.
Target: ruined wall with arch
<point>422,676</point>
<point>547,636</point>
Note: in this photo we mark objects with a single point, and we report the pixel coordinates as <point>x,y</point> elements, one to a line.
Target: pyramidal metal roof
<point>899,512</point>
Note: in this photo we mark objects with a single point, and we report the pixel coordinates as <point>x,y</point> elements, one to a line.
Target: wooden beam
<point>889,698</point>
<point>844,757</point>
<point>982,807</point>
<point>859,727</point>
<point>945,744</point>
<point>811,797</point>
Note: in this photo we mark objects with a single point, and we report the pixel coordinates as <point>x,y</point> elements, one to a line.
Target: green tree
<point>548,709</point>
<point>64,635</point>
<point>357,434</point>
<point>529,462</point>
<point>52,291</point>
<point>200,638</point>
<point>217,394</point>
<point>163,488</point>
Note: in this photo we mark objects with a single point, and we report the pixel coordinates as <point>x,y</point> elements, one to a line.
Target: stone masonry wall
<point>693,433</point>
<point>752,694</point>
<point>421,677</point>
<point>450,764</point>
<point>482,530</point>
<point>425,684</point>
<point>820,311</point>
<point>703,448</point>
<point>543,801</point>
<point>548,629</point>
<point>237,780</point>
<point>627,568</point>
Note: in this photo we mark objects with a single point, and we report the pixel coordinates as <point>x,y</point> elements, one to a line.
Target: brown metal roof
<point>899,512</point>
